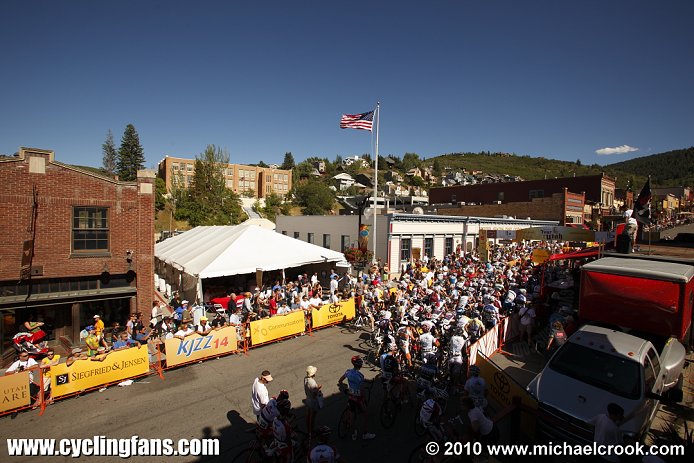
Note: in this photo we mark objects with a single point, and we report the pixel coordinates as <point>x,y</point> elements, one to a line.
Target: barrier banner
<point>333,313</point>
<point>197,347</point>
<point>15,391</point>
<point>502,388</point>
<point>487,344</point>
<point>85,374</point>
<point>279,326</point>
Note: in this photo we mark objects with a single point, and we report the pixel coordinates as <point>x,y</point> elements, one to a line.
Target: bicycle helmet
<point>474,370</point>
<point>284,406</point>
<point>324,431</point>
<point>283,395</point>
<point>357,361</point>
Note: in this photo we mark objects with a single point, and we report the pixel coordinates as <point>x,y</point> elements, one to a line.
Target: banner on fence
<point>15,391</point>
<point>197,346</point>
<point>277,327</point>
<point>86,374</point>
<point>502,388</point>
<point>333,313</point>
<point>487,344</point>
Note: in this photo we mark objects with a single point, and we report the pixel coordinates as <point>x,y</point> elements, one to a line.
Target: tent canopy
<point>218,251</point>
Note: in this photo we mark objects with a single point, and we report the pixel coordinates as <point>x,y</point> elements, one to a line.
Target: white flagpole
<point>375,204</point>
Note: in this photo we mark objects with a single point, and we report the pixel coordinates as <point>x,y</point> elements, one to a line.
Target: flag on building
<point>642,207</point>
<point>362,121</point>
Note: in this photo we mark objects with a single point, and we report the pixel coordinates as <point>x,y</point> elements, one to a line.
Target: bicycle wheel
<point>344,426</point>
<point>249,455</point>
<point>419,429</point>
<point>389,411</point>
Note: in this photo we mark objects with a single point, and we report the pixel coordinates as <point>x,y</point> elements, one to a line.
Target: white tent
<point>218,251</point>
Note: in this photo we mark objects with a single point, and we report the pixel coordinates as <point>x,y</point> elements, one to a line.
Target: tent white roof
<point>216,251</point>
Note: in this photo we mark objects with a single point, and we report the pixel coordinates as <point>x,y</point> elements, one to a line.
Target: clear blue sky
<point>557,79</point>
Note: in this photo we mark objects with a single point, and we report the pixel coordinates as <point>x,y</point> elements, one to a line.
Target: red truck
<point>643,294</point>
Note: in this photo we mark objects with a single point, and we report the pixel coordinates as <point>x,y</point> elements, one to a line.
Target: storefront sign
<point>85,374</point>
<point>197,347</point>
<point>15,391</point>
<point>333,313</point>
<point>277,327</point>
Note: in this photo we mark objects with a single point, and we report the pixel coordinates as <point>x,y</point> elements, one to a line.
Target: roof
<point>609,341</point>
<point>216,251</point>
<point>642,268</point>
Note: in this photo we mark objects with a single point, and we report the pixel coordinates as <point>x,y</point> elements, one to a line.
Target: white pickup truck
<point>599,365</point>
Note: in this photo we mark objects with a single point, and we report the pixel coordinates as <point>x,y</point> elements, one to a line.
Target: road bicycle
<point>396,394</point>
<point>347,422</point>
<point>260,450</point>
<point>444,435</point>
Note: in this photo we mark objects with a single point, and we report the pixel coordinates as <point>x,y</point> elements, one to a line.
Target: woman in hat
<point>314,397</point>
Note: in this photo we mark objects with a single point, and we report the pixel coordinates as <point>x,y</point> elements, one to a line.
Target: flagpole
<point>378,126</point>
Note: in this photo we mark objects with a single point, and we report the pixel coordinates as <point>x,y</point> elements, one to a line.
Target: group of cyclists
<point>423,323</point>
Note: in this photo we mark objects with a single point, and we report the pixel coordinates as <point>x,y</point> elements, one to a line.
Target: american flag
<point>362,121</point>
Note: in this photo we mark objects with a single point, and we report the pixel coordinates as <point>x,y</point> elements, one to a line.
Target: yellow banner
<point>279,326</point>
<point>15,390</point>
<point>502,389</point>
<point>540,256</point>
<point>557,233</point>
<point>85,374</point>
<point>196,346</point>
<point>333,313</point>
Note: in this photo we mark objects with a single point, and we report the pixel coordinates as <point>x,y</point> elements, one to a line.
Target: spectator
<point>184,331</point>
<point>50,360</point>
<point>124,342</point>
<point>259,393</point>
<point>204,328</point>
<point>92,341</point>
<point>24,362</point>
<point>314,397</point>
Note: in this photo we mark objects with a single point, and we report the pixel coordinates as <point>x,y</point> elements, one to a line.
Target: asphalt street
<point>212,399</point>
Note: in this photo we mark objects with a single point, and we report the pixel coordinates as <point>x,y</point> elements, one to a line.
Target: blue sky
<point>559,79</point>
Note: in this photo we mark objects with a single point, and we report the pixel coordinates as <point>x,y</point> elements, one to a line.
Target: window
<point>500,196</point>
<point>284,232</point>
<point>309,238</point>
<point>449,246</point>
<point>344,242</point>
<point>326,241</point>
<point>90,229</point>
<point>405,248</point>
<point>429,247</point>
<point>296,235</point>
<point>536,194</point>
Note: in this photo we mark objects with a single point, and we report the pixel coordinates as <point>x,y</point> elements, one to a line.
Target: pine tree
<point>131,156</point>
<point>288,163</point>
<point>110,158</point>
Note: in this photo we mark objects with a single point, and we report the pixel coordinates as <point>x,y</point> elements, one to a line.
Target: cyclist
<point>427,342</point>
<point>390,371</point>
<point>268,414</point>
<point>355,380</point>
<point>476,388</point>
<point>430,416</point>
<point>456,349</point>
<point>324,452</point>
<point>426,375</point>
<point>282,433</point>
<point>405,337</point>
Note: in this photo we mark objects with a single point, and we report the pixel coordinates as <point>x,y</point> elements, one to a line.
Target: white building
<point>400,237</point>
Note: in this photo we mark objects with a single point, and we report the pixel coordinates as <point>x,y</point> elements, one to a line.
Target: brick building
<point>240,178</point>
<point>92,239</point>
<point>598,192</point>
<point>566,208</point>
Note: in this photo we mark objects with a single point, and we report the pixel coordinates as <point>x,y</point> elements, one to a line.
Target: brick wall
<point>538,209</point>
<point>59,188</point>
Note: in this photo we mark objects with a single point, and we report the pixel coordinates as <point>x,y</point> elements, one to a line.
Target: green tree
<point>288,163</point>
<point>110,155</point>
<point>208,201</point>
<point>263,165</point>
<point>436,169</point>
<point>131,156</point>
<point>314,198</point>
<point>410,161</point>
<point>160,195</point>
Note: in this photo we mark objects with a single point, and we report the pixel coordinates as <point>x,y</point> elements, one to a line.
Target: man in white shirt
<point>23,363</point>
<point>607,430</point>
<point>315,303</point>
<point>259,393</point>
<point>183,331</point>
<point>527,321</point>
